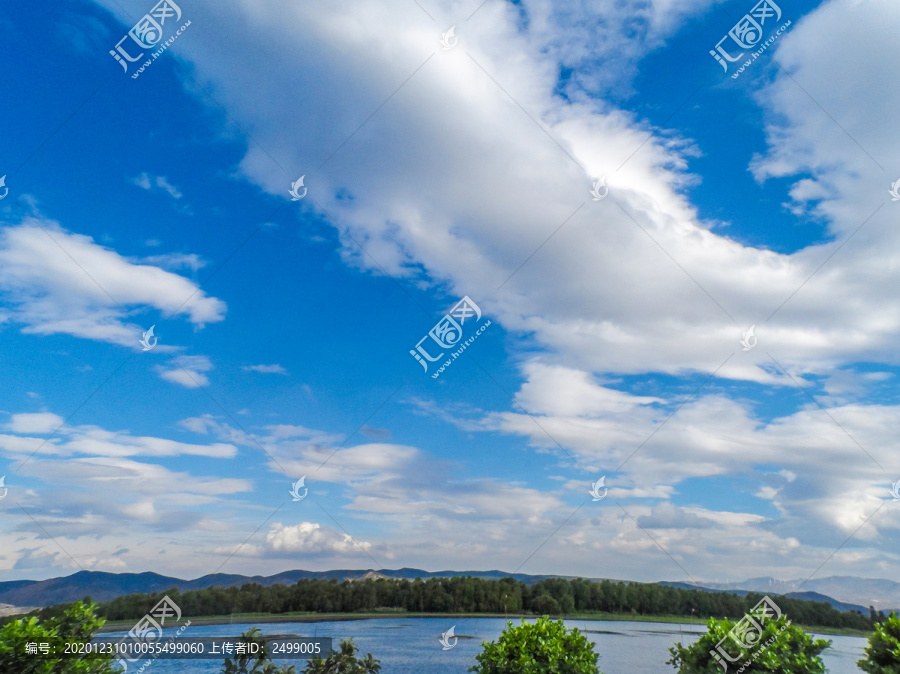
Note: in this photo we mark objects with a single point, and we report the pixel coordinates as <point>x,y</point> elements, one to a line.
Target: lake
<point>412,646</point>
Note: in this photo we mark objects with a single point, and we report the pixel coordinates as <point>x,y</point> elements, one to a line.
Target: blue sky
<point>285,327</point>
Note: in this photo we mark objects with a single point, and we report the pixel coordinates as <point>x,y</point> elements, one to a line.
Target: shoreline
<point>262,618</point>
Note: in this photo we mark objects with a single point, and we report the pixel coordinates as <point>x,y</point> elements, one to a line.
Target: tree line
<point>558,597</point>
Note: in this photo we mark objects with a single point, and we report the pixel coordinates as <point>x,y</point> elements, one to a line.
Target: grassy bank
<point>260,618</point>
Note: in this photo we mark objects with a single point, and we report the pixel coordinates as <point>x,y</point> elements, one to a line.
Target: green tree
<point>77,623</point>
<point>545,605</point>
<point>473,595</point>
<point>782,647</point>
<point>343,661</point>
<point>544,647</point>
<point>254,663</point>
<point>883,651</point>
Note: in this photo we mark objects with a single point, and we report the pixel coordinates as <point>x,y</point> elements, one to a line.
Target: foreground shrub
<point>344,661</point>
<point>544,647</point>
<point>781,648</point>
<point>78,623</point>
<point>883,651</point>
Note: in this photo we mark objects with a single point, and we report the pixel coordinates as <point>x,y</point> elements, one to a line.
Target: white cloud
<point>186,371</point>
<point>483,187</point>
<point>36,423</point>
<point>265,369</point>
<point>401,502</point>
<point>94,441</point>
<point>668,516</point>
<point>168,187</point>
<point>310,538</point>
<point>298,436</point>
<point>835,154</point>
<point>176,261</point>
<point>144,480</point>
<point>587,37</point>
<point>147,182</point>
<point>826,485</point>
<point>557,390</point>
<point>142,181</point>
<point>91,495</point>
<point>60,282</point>
<point>86,487</point>
<point>207,424</point>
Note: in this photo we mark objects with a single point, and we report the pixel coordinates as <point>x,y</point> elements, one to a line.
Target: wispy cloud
<point>148,182</point>
<point>57,282</point>
<point>265,369</point>
<point>186,371</point>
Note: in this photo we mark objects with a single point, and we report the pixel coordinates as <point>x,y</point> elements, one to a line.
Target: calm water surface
<point>412,646</point>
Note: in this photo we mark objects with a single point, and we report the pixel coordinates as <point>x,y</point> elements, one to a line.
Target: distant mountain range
<point>806,596</point>
<point>101,586</point>
<point>882,594</point>
<point>845,593</point>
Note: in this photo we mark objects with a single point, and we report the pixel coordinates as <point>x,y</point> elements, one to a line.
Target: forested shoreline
<point>556,597</point>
